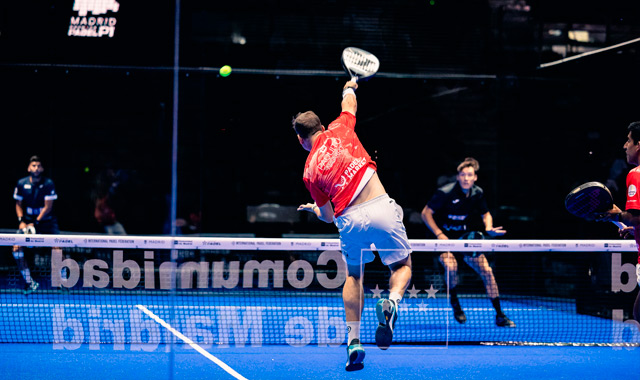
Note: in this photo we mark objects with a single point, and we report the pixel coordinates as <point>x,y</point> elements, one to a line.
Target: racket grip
<point>619,224</point>
<point>354,79</point>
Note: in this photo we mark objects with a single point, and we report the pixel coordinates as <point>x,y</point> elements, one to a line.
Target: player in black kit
<point>459,211</point>
<point>34,197</point>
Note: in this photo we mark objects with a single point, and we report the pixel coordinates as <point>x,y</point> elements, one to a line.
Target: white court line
<point>193,345</point>
<point>311,308</point>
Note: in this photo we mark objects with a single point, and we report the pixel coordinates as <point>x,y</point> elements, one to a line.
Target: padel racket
<point>359,64</point>
<point>588,200</point>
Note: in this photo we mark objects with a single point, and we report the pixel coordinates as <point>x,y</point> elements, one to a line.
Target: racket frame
<point>572,194</point>
<point>361,71</point>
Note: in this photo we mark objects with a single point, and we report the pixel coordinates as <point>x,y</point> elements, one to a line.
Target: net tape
<point>309,244</point>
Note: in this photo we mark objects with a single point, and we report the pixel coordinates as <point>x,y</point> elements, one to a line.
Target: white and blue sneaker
<point>387,312</point>
<point>31,287</point>
<point>355,356</point>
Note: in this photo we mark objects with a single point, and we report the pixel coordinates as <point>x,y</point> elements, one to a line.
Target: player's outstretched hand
<point>496,231</point>
<point>307,207</point>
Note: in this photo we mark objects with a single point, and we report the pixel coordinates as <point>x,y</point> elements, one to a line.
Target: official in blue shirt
<point>34,197</point>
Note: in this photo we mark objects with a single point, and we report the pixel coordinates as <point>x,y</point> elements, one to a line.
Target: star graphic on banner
<point>422,307</point>
<point>432,292</point>
<point>413,292</point>
<point>403,307</point>
<point>377,292</point>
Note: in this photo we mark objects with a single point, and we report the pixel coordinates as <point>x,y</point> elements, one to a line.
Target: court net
<point>104,291</point>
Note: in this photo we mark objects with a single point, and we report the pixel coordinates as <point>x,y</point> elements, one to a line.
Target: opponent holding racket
<point>339,171</point>
<point>630,217</point>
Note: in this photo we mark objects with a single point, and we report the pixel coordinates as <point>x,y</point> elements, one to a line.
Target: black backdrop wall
<point>456,80</point>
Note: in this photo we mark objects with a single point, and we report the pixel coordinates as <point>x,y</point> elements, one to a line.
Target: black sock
<point>453,297</point>
<point>496,305</point>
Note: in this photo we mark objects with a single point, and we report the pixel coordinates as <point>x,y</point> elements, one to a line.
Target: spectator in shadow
<point>105,195</point>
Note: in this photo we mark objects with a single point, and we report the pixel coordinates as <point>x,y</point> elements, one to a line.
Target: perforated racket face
<point>588,200</point>
<point>359,63</point>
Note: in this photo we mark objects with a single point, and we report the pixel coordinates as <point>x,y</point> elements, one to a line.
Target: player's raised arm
<point>349,102</point>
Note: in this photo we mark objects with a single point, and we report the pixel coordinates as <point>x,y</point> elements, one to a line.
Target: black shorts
<point>471,235</point>
<point>47,227</point>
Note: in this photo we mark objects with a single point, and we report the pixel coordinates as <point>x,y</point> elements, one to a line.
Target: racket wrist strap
<point>348,90</point>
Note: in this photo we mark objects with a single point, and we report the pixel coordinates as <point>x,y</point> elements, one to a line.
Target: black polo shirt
<point>33,196</point>
<point>455,212</point>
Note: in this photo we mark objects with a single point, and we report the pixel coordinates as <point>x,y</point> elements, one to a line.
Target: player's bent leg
<point>30,284</point>
<point>400,276</point>
<point>353,298</point>
<point>458,313</point>
<point>480,264</point>
<point>450,264</point>
<point>353,294</point>
<point>387,309</point>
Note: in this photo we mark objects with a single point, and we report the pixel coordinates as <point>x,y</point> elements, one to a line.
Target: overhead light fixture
<point>238,39</point>
<point>579,35</point>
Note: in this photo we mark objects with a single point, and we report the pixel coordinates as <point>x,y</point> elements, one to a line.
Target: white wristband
<point>348,90</point>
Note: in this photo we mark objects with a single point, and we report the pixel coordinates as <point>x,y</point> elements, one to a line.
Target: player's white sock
<point>27,275</point>
<point>395,297</point>
<point>353,329</point>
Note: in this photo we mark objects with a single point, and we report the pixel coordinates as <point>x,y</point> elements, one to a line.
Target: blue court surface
<point>41,361</point>
<point>74,321</point>
<point>284,319</point>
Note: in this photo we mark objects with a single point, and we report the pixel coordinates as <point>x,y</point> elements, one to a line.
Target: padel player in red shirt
<point>631,217</point>
<point>342,180</point>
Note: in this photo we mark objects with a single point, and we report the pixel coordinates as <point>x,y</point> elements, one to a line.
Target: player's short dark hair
<point>634,128</point>
<point>306,124</point>
<point>35,159</point>
<point>469,162</point>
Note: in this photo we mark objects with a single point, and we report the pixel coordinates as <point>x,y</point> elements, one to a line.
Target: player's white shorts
<point>375,224</point>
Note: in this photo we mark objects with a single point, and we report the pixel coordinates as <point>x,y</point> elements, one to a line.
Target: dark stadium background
<point>457,79</point>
